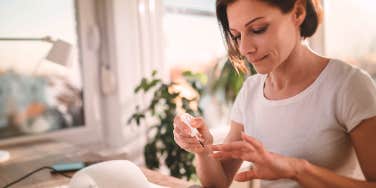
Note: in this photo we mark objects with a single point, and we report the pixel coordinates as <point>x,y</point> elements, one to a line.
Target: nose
<point>247,46</point>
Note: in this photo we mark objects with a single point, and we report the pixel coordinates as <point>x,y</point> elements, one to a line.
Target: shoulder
<point>347,75</point>
<point>254,81</point>
<point>356,97</point>
<point>341,70</point>
<point>251,86</point>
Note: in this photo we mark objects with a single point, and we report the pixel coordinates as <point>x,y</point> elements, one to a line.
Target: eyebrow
<point>251,21</point>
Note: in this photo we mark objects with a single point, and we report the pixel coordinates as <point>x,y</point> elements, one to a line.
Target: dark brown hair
<point>307,28</point>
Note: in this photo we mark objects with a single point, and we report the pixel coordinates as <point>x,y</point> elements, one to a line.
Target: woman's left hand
<point>266,165</point>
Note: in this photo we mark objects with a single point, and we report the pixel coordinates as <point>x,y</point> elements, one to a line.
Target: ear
<point>299,12</point>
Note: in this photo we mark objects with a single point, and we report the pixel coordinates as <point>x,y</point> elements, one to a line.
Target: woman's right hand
<point>182,135</point>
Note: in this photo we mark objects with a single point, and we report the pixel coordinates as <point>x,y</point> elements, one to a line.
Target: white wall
<point>132,30</point>
<point>350,29</point>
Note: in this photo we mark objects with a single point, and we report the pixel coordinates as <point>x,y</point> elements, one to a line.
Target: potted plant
<point>165,102</point>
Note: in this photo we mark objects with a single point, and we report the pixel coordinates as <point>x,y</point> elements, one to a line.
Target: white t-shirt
<point>314,124</point>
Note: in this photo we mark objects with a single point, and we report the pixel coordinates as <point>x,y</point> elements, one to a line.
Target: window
<point>350,32</point>
<point>191,34</point>
<point>42,86</point>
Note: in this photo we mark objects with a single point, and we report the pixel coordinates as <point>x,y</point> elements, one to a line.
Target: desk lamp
<point>59,53</point>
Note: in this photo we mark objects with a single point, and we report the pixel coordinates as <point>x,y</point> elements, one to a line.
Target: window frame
<point>88,37</point>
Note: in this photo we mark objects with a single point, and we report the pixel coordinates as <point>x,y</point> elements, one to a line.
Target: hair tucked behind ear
<point>307,29</point>
<point>313,18</point>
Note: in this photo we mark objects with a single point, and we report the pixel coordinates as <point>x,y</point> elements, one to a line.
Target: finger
<point>252,141</point>
<point>182,128</point>
<point>195,148</point>
<point>248,156</point>
<point>200,149</point>
<point>186,143</point>
<point>237,145</point>
<point>233,146</point>
<point>181,141</point>
<point>198,122</point>
<point>186,139</point>
<point>245,176</point>
<point>182,133</point>
<point>221,155</point>
<point>179,124</point>
<point>226,155</point>
<point>178,140</point>
<point>244,156</point>
<point>187,146</point>
<point>175,122</point>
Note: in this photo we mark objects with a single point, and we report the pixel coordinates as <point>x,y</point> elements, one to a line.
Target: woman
<point>303,121</point>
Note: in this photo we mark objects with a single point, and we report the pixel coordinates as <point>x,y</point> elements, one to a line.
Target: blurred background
<point>69,68</point>
<point>38,92</point>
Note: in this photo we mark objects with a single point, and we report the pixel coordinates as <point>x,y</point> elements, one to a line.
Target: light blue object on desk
<point>66,167</point>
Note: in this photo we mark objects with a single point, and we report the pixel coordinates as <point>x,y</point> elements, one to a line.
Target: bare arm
<point>271,166</point>
<point>363,138</point>
<point>219,173</point>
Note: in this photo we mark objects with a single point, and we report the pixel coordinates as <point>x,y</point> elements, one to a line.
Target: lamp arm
<point>46,39</point>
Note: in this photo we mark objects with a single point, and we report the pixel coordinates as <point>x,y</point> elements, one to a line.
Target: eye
<point>260,30</point>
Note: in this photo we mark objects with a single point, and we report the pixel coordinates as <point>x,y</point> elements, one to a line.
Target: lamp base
<point>4,156</point>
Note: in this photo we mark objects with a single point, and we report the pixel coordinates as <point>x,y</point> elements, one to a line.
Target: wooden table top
<point>28,156</point>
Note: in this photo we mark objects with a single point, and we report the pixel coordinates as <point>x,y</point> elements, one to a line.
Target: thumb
<point>245,176</point>
<point>205,135</point>
<point>198,123</point>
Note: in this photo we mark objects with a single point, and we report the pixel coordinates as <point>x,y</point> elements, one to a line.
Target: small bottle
<point>186,118</point>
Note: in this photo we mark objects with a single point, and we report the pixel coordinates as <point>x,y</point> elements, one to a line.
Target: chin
<point>264,66</point>
<point>262,69</point>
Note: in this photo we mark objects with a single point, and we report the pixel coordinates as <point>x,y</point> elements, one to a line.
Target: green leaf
<point>176,159</point>
<point>154,73</point>
<point>142,85</point>
<point>150,154</point>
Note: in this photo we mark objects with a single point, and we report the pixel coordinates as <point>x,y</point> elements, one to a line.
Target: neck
<point>297,67</point>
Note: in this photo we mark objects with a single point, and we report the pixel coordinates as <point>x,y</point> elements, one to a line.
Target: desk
<point>28,156</point>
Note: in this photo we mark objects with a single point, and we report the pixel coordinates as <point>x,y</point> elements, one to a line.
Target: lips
<point>256,60</point>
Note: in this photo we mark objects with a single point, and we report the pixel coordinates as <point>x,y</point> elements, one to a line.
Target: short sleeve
<point>356,100</point>
<point>237,110</point>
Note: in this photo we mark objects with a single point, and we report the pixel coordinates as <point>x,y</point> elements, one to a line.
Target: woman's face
<point>264,34</point>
